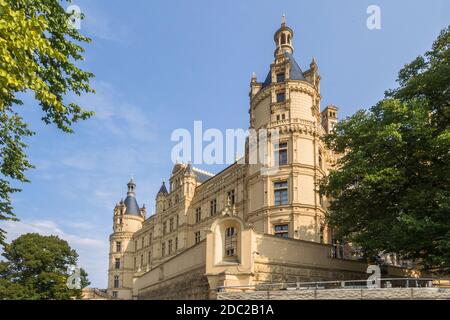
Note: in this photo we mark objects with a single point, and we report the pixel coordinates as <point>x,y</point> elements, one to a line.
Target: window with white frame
<point>281,230</point>
<point>230,242</point>
<point>280,193</point>
<point>281,153</point>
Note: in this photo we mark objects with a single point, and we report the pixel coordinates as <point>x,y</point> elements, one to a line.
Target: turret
<point>127,219</point>
<point>161,198</point>
<point>283,38</point>
<point>329,118</point>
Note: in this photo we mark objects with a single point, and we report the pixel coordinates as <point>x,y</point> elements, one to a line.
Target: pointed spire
<point>162,190</point>
<point>283,20</point>
<point>313,64</point>
<point>189,171</point>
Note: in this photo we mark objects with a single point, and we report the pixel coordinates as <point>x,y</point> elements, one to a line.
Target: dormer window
<point>281,77</point>
<point>281,96</point>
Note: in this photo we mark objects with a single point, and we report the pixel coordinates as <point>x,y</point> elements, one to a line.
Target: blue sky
<point>160,65</point>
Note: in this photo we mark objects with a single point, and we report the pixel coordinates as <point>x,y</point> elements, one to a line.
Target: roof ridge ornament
<point>283,20</point>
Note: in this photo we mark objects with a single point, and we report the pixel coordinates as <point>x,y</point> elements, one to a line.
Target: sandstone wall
<point>341,294</point>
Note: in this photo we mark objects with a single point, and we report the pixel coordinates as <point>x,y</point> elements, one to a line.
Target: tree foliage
<point>36,267</point>
<point>38,52</point>
<point>390,190</point>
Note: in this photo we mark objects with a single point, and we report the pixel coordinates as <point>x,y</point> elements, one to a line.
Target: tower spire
<point>131,187</point>
<point>283,38</point>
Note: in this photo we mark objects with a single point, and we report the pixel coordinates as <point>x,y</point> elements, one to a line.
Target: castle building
<point>240,227</point>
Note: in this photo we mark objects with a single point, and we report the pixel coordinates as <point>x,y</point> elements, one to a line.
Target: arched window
<point>230,243</point>
<point>283,38</point>
<point>289,39</point>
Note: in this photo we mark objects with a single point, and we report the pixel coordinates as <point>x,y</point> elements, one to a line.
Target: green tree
<point>36,267</point>
<point>390,190</point>
<point>38,52</point>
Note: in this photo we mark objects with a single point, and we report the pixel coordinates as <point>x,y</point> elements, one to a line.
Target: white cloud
<point>114,115</point>
<point>99,25</point>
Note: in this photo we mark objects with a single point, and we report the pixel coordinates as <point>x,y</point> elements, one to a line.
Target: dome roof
<point>132,207</point>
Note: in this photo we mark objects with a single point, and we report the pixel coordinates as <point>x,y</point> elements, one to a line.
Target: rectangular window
<point>115,294</point>
<point>320,159</point>
<point>116,281</point>
<point>282,153</point>
<point>171,224</point>
<point>164,227</point>
<point>163,249</point>
<point>278,117</point>
<point>280,77</point>
<point>176,243</point>
<point>198,214</point>
<point>230,197</point>
<point>281,193</point>
<point>230,242</point>
<point>282,230</point>
<point>135,263</point>
<point>149,257</point>
<point>143,240</point>
<point>213,207</point>
<point>118,246</point>
<point>117,263</point>
<point>170,246</point>
<point>142,260</point>
<point>197,237</point>
<point>321,236</point>
<point>281,96</point>
<point>150,239</point>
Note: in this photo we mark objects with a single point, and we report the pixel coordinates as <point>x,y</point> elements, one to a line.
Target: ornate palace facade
<point>239,227</point>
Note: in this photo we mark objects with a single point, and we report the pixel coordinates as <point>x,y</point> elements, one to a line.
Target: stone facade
<point>341,294</point>
<point>240,226</point>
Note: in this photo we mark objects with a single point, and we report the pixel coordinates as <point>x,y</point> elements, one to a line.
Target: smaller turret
<point>329,118</point>
<point>283,38</point>
<point>161,198</point>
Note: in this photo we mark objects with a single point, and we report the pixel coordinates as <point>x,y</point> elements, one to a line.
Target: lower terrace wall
<point>341,294</point>
<point>181,277</point>
<point>291,260</point>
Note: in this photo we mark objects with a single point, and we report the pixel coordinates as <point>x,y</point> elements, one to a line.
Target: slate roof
<point>163,189</point>
<point>296,71</point>
<point>132,206</point>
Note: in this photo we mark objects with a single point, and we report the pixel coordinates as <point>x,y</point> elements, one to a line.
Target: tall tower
<point>286,202</point>
<point>127,219</point>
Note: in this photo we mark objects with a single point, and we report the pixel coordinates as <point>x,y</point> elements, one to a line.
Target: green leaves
<point>38,52</point>
<point>390,189</point>
<point>36,268</point>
